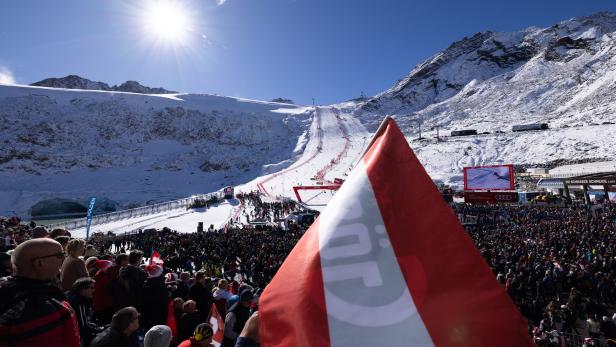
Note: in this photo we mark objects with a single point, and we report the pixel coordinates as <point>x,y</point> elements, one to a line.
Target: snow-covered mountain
<point>58,143</point>
<point>133,148</point>
<point>77,82</point>
<point>563,75</point>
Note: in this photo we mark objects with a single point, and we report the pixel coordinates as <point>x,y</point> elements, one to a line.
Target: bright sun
<point>167,21</point>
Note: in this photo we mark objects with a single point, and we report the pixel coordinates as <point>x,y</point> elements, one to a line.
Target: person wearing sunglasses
<point>80,298</point>
<point>33,311</point>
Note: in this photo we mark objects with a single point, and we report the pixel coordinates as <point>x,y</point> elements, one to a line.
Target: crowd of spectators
<point>558,264</point>
<point>62,291</point>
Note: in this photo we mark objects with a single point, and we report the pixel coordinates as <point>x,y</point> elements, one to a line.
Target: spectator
<point>80,298</point>
<point>73,267</point>
<point>608,328</point>
<point>38,309</point>
<point>9,240</point>
<point>202,337</point>
<point>183,287</point>
<point>202,295</point>
<point>104,304</point>
<point>58,233</point>
<point>63,241</point>
<point>40,232</point>
<point>132,278</point>
<point>188,321</point>
<point>178,309</point>
<point>158,336</point>
<point>221,291</point>
<point>90,251</point>
<point>155,298</point>
<point>91,266</point>
<point>121,332</point>
<point>5,265</point>
<point>250,334</point>
<point>236,318</point>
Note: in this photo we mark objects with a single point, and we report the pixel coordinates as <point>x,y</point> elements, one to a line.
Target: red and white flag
<point>218,326</point>
<point>388,264</point>
<point>156,259</point>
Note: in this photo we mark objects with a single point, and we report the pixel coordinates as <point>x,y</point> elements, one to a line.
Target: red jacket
<point>36,314</point>
<point>102,299</point>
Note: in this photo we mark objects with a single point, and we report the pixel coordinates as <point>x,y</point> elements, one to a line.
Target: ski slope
<point>334,144</point>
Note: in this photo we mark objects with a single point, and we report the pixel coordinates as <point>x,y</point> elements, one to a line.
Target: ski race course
<point>334,144</point>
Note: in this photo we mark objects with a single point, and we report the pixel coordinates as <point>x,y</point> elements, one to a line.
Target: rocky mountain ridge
<point>560,74</point>
<point>77,82</point>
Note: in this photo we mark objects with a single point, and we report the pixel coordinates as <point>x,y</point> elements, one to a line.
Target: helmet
<point>202,331</point>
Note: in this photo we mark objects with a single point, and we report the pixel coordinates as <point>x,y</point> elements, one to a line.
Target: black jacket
<point>155,300</point>
<point>132,279</point>
<point>202,295</point>
<point>113,338</point>
<point>187,324</point>
<point>81,306</point>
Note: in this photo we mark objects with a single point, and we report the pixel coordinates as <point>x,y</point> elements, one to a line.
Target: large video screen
<point>498,177</point>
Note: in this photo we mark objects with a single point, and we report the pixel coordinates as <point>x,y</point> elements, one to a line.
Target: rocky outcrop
<point>77,82</point>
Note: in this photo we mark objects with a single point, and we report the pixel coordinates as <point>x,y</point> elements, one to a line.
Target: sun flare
<point>167,21</point>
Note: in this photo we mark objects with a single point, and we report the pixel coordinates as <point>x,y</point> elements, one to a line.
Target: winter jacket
<point>234,323</point>
<point>155,299</point>
<point>103,299</point>
<point>132,279</point>
<point>113,338</point>
<point>87,329</point>
<point>35,314</point>
<point>202,295</point>
<point>187,324</point>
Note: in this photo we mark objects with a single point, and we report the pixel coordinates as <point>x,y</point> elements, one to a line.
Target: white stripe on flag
<point>366,296</point>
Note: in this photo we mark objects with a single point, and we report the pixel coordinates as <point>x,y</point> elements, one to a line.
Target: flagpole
<point>377,133</point>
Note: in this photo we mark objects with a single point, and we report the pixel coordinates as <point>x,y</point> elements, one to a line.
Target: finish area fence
<point>133,212</point>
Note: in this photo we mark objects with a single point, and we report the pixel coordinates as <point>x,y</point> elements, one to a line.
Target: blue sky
<point>330,50</point>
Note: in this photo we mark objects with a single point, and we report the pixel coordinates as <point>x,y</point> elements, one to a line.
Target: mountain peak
<point>78,82</point>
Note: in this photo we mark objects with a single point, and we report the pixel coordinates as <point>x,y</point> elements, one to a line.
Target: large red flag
<point>388,264</point>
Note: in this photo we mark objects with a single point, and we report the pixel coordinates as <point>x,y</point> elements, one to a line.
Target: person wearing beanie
<point>155,298</point>
<point>106,285</point>
<point>202,337</point>
<point>91,266</point>
<point>158,336</point>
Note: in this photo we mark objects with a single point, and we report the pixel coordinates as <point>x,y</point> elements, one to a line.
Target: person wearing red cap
<point>106,279</point>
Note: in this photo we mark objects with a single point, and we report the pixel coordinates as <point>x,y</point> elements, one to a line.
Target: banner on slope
<point>387,263</point>
<point>89,216</point>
